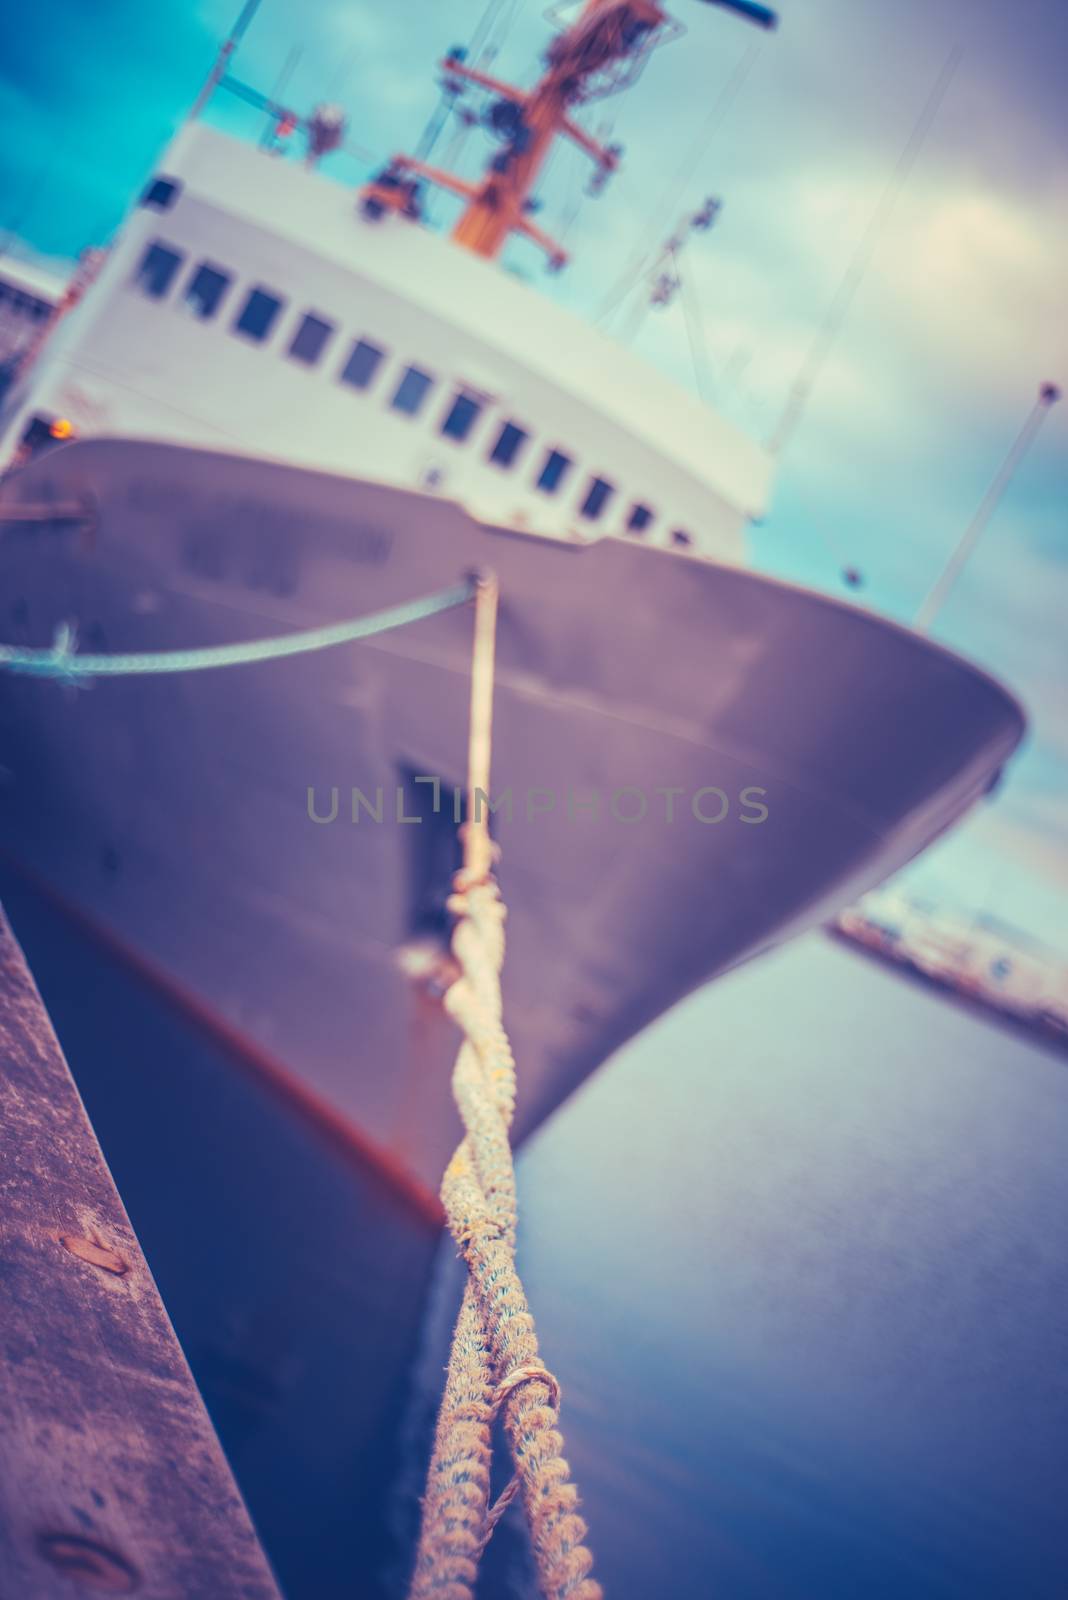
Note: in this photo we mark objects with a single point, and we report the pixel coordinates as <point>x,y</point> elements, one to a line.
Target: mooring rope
<point>62,661</point>
<point>494,1365</point>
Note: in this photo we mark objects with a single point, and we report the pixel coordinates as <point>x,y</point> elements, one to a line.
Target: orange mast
<point>599,53</point>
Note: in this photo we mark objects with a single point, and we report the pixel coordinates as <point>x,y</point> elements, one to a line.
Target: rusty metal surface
<point>111,1478</point>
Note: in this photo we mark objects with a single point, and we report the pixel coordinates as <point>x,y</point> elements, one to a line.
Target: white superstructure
<point>250,304</point>
<point>29,295</point>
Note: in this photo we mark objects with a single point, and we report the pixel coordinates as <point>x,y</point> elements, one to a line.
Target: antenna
<point>269,136</point>
<point>665,279</point>
<point>226,50</point>
<point>1048,395</point>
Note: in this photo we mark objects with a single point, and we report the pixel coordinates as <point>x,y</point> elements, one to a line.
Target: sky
<point>960,313</point>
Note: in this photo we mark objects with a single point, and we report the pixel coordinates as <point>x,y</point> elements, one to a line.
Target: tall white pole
<point>1048,395</point>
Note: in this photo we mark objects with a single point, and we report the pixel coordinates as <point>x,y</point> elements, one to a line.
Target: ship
<point>1000,971</point>
<point>275,403</point>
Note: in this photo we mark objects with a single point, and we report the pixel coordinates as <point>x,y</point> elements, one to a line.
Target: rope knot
<point>478,1230</point>
<point>533,1371</point>
<point>527,1372</point>
<point>481,855</point>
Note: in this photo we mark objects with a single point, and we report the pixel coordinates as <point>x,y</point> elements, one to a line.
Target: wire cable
<point>813,364</point>
<point>671,196</point>
<point>63,663</point>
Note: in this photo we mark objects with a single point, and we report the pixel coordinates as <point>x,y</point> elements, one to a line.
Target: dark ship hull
<point>701,761</point>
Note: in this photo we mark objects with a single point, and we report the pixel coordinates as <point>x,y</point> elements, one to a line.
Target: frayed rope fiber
<point>494,1364</point>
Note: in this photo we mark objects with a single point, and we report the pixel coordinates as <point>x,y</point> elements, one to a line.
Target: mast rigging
<point>600,53</point>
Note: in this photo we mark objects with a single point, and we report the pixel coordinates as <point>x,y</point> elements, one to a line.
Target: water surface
<point>799,1258</point>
